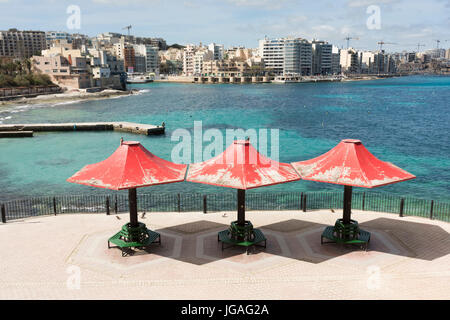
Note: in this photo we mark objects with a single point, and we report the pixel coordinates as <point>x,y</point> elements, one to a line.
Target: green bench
<point>118,240</point>
<point>360,237</point>
<point>225,237</point>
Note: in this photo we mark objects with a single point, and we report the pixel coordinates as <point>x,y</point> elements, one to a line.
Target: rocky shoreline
<point>70,96</point>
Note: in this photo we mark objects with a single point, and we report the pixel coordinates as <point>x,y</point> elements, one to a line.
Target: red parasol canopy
<point>241,166</point>
<point>351,164</point>
<point>130,166</point>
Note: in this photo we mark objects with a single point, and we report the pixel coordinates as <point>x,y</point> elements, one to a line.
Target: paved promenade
<point>66,257</point>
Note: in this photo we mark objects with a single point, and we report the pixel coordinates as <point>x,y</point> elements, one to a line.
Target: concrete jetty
<point>26,130</point>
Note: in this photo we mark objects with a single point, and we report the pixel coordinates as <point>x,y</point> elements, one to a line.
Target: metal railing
<point>188,202</point>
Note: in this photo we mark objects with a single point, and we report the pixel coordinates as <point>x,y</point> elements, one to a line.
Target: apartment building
<point>349,60</point>
<point>150,55</point>
<point>322,57</point>
<point>224,68</point>
<point>68,72</point>
<point>58,37</point>
<point>199,57</point>
<point>129,58</point>
<point>367,62</point>
<point>21,44</point>
<point>287,55</point>
<point>272,51</point>
<point>188,60</point>
<point>335,61</point>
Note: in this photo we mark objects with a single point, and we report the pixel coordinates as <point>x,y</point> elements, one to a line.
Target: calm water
<point>403,120</point>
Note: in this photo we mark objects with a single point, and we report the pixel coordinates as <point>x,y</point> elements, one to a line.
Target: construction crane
<point>348,38</point>
<point>418,46</point>
<point>382,42</point>
<point>127,27</point>
<point>437,43</point>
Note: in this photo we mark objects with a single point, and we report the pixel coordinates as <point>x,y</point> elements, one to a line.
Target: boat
<point>287,78</point>
<point>138,78</point>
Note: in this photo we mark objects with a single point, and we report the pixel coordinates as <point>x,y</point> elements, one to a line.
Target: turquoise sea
<point>402,120</point>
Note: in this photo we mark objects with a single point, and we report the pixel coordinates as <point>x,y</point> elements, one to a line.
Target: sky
<point>402,24</point>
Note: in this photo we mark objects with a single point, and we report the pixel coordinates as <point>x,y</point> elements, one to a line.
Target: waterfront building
<point>305,57</point>
<point>117,66</point>
<point>287,55</point>
<point>21,44</point>
<point>76,69</point>
<point>139,63</point>
<point>200,56</point>
<point>151,58</point>
<point>272,51</point>
<point>225,68</point>
<point>188,60</point>
<point>322,57</point>
<point>447,54</point>
<point>367,62</point>
<point>349,60</point>
<point>69,72</point>
<point>335,61</point>
<point>129,58</point>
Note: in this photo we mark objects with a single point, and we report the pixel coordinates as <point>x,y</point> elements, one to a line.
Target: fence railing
<point>188,202</point>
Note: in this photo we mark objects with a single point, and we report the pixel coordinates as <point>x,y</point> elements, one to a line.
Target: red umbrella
<point>131,166</point>
<point>352,165</point>
<point>241,167</point>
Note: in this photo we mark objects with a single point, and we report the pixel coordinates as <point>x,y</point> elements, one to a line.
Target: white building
<point>200,56</point>
<point>272,51</point>
<point>287,55</point>
<point>188,60</point>
<point>217,50</point>
<point>349,60</point>
<point>367,62</point>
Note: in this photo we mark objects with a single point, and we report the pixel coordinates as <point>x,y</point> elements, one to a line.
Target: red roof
<point>130,166</point>
<point>351,164</point>
<point>241,166</point>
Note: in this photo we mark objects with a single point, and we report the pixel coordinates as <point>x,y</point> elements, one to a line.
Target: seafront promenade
<point>408,258</point>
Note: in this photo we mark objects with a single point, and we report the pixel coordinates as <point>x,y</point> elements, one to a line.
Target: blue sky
<point>243,22</point>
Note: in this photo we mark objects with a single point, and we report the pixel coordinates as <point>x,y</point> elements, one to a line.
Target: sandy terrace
<point>47,257</point>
